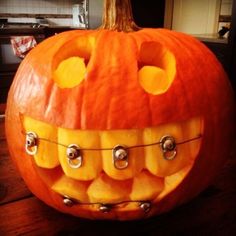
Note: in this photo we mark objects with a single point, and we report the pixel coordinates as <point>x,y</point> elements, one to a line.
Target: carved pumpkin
<point>114,125</point>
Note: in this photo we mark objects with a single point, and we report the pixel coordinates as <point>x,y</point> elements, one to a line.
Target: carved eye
<point>69,64</point>
<point>70,72</point>
<point>157,68</point>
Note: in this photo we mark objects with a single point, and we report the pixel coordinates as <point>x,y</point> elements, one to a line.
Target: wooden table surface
<point>213,212</point>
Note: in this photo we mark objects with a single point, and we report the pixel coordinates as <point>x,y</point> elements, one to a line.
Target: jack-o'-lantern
<point>107,124</point>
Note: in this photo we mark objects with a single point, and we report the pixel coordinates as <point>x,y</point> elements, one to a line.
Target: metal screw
<point>31,139</point>
<point>120,153</point>
<point>168,143</point>
<point>145,206</point>
<point>120,157</point>
<point>104,208</point>
<point>31,147</point>
<point>74,157</point>
<point>73,151</point>
<point>68,202</point>
<point>168,147</point>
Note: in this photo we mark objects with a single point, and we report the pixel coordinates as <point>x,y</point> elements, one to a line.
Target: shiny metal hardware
<point>105,208</point>
<point>168,146</point>
<point>74,156</point>
<point>31,146</point>
<point>145,206</point>
<point>68,201</point>
<point>120,157</point>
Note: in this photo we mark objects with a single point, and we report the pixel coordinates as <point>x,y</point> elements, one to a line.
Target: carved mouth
<point>113,167</point>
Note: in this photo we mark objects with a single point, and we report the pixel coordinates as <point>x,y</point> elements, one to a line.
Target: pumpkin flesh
<point>145,159</point>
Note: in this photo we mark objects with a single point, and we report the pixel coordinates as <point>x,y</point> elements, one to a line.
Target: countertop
<point>34,29</point>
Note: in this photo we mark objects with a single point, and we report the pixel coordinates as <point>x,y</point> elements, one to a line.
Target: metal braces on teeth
<point>120,157</point>
<point>168,146</point>
<point>105,208</point>
<point>74,156</point>
<point>69,202</point>
<point>145,206</point>
<point>120,153</point>
<point>31,144</point>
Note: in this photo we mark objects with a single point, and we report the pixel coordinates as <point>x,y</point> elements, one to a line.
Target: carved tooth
<point>46,155</point>
<point>146,186</point>
<point>73,188</point>
<point>184,153</point>
<point>107,190</point>
<point>130,166</point>
<point>90,164</point>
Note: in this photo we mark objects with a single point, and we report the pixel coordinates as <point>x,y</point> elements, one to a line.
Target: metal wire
<point>101,203</point>
<point>109,205</point>
<point>111,148</point>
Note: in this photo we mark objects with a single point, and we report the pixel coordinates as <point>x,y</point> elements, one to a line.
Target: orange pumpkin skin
<point>110,97</point>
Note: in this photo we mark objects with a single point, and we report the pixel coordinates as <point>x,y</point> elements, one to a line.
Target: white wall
<point>196,16</point>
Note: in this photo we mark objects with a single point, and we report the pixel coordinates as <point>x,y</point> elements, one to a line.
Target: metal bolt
<point>145,206</point>
<point>74,157</point>
<point>120,157</point>
<point>68,202</point>
<point>73,151</point>
<point>168,147</point>
<point>120,153</point>
<point>104,208</point>
<point>168,143</point>
<point>31,143</point>
<point>31,139</point>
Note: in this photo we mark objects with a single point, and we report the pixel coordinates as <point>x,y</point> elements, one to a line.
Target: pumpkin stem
<point>118,16</point>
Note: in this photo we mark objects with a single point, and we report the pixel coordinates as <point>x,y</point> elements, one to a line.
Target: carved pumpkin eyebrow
<point>69,63</point>
<point>81,46</point>
<point>157,68</point>
<point>70,72</point>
